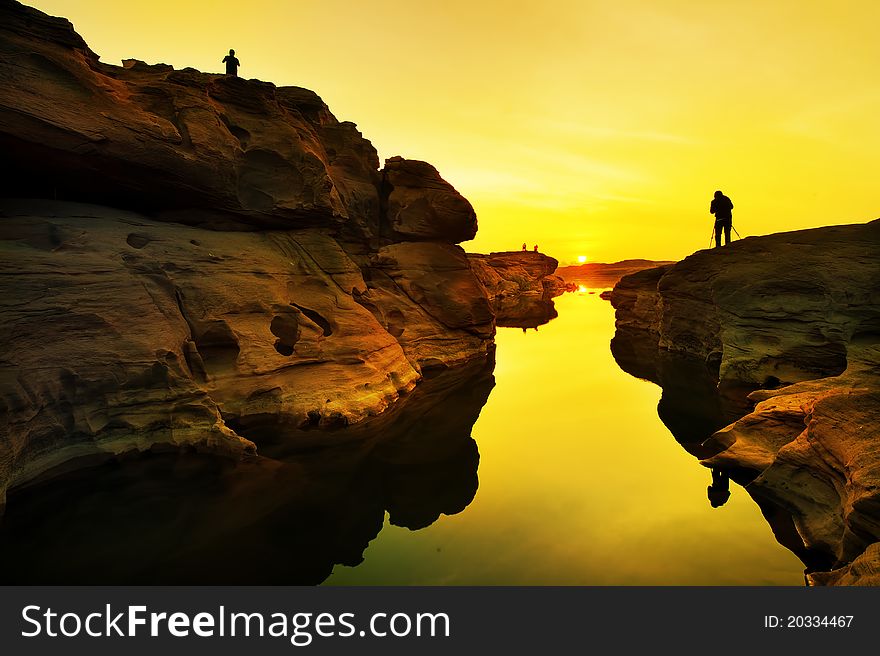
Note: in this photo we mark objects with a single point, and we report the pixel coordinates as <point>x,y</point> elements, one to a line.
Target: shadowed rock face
<point>786,329</point>
<point>124,332</point>
<point>421,205</point>
<point>183,145</point>
<point>423,292</point>
<point>203,149</point>
<point>284,517</point>
<point>197,252</point>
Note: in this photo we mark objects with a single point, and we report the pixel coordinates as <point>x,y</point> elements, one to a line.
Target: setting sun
<point>582,259</point>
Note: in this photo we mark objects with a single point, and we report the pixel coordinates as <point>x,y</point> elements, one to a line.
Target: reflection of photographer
<point>719,491</point>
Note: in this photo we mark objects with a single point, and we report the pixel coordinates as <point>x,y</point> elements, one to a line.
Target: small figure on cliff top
<point>524,246</point>
<point>721,206</point>
<point>536,248</point>
<point>719,491</point>
<point>232,63</point>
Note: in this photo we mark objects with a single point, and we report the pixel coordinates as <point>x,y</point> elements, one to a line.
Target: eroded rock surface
<point>428,297</point>
<point>788,326</point>
<point>285,517</point>
<point>816,448</point>
<point>421,205</point>
<point>189,258</point>
<point>125,332</point>
<point>186,146</point>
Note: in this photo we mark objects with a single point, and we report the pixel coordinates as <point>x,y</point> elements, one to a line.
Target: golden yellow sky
<point>588,127</point>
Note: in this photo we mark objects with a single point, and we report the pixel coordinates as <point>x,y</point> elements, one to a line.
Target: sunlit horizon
<point>579,126</point>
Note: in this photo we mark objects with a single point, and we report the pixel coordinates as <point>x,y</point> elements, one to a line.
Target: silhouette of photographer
<point>719,491</point>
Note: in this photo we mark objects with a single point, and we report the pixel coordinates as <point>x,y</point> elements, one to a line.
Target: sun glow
<point>582,289</point>
<point>694,97</point>
<point>582,259</point>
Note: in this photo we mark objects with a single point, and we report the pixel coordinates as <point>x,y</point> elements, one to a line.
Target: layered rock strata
<point>286,517</point>
<point>788,328</point>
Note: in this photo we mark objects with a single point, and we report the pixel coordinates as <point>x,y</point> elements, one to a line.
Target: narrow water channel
<point>580,483</point>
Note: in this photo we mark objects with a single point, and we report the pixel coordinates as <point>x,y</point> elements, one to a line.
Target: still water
<point>580,483</point>
<point>570,478</point>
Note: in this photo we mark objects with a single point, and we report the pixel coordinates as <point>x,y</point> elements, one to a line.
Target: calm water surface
<point>579,483</point>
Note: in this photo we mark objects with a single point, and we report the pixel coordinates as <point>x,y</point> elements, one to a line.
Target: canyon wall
<point>191,260</point>
<point>787,328</point>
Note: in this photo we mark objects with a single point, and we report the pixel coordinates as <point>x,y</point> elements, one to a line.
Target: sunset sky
<point>590,128</point>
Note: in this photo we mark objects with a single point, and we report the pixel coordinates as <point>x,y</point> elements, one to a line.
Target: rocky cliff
<point>189,258</point>
<point>784,332</point>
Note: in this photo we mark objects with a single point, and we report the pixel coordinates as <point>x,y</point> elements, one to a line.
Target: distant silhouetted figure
<point>232,63</point>
<point>524,246</point>
<point>722,207</point>
<point>535,248</point>
<point>719,491</point>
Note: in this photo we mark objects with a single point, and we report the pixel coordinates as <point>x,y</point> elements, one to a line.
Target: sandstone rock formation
<point>420,204</point>
<point>520,286</point>
<point>190,259</point>
<point>424,293</point>
<point>184,146</point>
<point>286,517</point>
<point>788,328</point>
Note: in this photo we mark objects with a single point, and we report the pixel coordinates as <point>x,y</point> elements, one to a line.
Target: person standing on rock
<point>232,63</point>
<point>536,248</point>
<point>722,207</point>
<point>524,246</point>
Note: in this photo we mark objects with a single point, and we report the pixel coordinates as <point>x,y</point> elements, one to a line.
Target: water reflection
<point>286,517</point>
<point>719,491</point>
<point>693,406</point>
<point>524,312</point>
<point>580,484</point>
<point>690,405</point>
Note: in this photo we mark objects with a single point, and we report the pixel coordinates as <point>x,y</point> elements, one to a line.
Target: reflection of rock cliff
<point>520,286</point>
<point>793,321</point>
<point>285,517</point>
<point>207,252</point>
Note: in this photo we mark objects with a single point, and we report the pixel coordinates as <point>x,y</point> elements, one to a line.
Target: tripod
<point>712,234</point>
